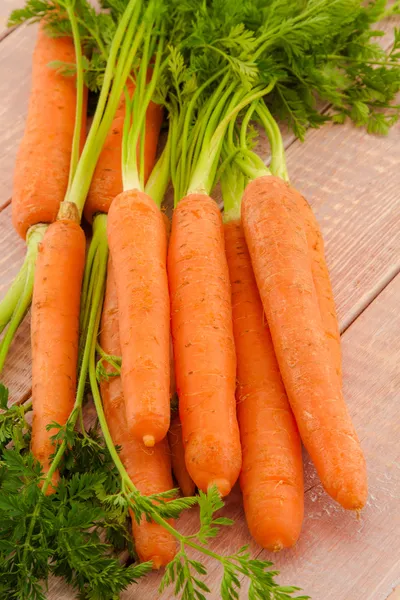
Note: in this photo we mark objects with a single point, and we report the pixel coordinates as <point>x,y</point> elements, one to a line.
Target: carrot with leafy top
<point>138,245</point>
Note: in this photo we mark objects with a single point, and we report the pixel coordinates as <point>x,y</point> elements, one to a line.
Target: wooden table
<point>353,183</point>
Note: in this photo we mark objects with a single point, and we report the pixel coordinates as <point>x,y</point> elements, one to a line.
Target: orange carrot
<point>185,482</point>
<point>55,330</point>
<point>272,471</point>
<point>203,343</point>
<point>107,178</point>
<point>149,468</point>
<point>277,244</point>
<point>43,160</point>
<point>138,244</point>
<point>322,282</point>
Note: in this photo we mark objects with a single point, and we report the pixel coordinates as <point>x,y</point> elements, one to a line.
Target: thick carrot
<point>277,244</point>
<point>43,160</point>
<point>149,468</point>
<point>55,330</point>
<point>138,245</point>
<point>272,471</point>
<point>107,178</point>
<point>185,482</point>
<point>203,343</point>
<point>322,282</point>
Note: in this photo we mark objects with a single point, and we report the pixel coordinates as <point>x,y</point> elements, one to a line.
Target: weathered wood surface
<point>15,81</point>
<point>352,181</point>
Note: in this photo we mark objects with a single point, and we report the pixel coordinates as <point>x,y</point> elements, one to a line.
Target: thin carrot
<point>277,243</point>
<point>185,482</point>
<point>43,160</point>
<point>272,473</point>
<point>149,468</point>
<point>322,282</point>
<point>107,178</point>
<point>203,343</point>
<point>138,244</point>
<point>55,330</point>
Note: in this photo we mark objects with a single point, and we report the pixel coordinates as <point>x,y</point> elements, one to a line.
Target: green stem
<point>23,302</point>
<point>160,175</point>
<point>200,182</point>
<point>14,292</point>
<point>278,158</point>
<point>133,174</point>
<point>76,140</point>
<point>115,77</point>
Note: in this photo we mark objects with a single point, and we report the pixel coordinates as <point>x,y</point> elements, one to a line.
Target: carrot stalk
<point>149,468</point>
<point>44,155</point>
<point>175,439</point>
<point>276,238</point>
<point>203,343</point>
<point>138,244</point>
<point>315,241</point>
<point>272,473</point>
<point>201,315</point>
<point>55,329</point>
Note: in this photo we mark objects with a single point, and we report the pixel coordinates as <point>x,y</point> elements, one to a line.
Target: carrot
<point>272,473</point>
<point>107,178</point>
<point>277,244</point>
<point>203,343</point>
<point>138,244</point>
<point>149,469</point>
<point>185,482</point>
<point>43,159</point>
<point>322,282</point>
<point>55,329</point>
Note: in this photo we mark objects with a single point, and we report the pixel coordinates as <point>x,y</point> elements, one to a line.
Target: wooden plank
<point>17,373</point>
<point>15,68</point>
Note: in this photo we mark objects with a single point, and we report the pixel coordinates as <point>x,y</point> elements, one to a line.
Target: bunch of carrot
<point>245,298</point>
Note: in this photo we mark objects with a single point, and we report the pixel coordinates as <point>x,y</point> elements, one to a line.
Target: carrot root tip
<point>223,486</point>
<point>157,562</point>
<point>149,441</point>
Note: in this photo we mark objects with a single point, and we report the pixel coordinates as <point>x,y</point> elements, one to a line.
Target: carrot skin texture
<point>322,282</point>
<point>55,332</point>
<point>185,482</point>
<point>272,472</point>
<point>43,159</point>
<point>204,351</point>
<point>149,468</point>
<point>107,180</point>
<point>138,245</point>
<point>276,239</point>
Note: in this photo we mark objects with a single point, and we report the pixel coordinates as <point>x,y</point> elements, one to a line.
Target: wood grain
<point>15,68</point>
<point>17,373</point>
